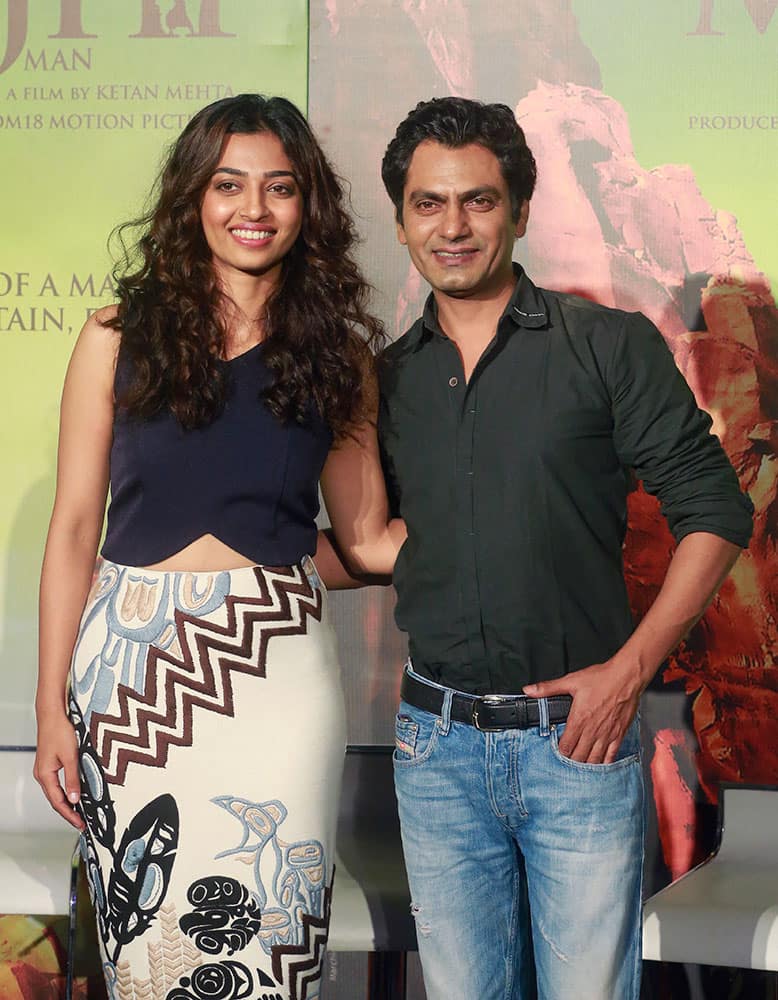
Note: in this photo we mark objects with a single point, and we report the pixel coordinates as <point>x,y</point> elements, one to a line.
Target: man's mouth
<point>454,256</point>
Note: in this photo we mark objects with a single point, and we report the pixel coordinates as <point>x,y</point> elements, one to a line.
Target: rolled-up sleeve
<point>661,433</point>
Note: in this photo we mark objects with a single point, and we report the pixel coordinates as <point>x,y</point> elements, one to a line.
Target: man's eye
<point>481,202</point>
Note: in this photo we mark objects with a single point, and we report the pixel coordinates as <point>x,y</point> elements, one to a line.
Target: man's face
<point>457,220</point>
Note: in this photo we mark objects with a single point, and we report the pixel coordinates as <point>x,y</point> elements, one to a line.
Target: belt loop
<point>445,711</point>
<point>543,713</point>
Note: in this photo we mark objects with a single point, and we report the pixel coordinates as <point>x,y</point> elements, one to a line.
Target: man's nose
<point>454,223</point>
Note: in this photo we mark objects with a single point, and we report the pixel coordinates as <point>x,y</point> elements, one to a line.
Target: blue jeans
<point>525,867</point>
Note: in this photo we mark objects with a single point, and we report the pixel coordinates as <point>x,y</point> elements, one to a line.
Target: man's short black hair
<point>456,122</point>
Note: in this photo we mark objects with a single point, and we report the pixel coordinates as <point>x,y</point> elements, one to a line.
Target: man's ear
<point>521,222</point>
<point>401,234</point>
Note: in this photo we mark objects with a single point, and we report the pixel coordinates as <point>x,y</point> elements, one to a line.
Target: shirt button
<point>453,381</point>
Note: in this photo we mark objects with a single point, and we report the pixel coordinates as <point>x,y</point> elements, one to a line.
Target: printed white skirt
<point>211,729</point>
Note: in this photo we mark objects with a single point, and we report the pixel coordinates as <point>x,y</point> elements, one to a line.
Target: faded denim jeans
<point>525,867</point>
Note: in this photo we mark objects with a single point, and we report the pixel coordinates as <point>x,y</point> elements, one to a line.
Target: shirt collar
<point>526,307</point>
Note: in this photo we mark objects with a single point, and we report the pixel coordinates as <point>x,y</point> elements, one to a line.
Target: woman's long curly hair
<point>171,314</point>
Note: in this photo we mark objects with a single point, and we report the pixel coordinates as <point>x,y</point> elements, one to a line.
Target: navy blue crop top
<point>246,478</point>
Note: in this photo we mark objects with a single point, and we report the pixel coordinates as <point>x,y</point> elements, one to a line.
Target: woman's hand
<point>58,751</point>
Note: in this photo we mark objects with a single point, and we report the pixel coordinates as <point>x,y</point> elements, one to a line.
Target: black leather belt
<point>489,712</point>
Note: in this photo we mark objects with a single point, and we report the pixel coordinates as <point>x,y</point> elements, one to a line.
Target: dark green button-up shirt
<point>513,485</point>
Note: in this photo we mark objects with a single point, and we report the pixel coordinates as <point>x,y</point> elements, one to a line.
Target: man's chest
<point>523,410</point>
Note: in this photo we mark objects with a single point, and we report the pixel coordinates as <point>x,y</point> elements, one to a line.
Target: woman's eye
<point>227,186</point>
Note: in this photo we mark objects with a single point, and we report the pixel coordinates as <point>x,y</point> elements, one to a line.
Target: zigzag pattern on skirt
<point>148,723</point>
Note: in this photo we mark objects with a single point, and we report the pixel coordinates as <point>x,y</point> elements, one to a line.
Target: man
<point>511,419</point>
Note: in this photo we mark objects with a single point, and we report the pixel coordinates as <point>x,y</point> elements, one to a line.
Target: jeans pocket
<point>628,752</point>
<point>406,732</point>
<point>415,735</point>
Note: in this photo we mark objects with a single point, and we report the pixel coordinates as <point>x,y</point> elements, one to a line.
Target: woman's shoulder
<point>106,314</point>
<point>99,330</point>
<point>98,342</point>
<point>90,375</point>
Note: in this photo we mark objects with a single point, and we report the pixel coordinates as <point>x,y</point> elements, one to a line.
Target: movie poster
<point>91,94</point>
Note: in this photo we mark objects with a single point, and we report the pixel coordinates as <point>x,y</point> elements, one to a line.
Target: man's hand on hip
<point>605,701</point>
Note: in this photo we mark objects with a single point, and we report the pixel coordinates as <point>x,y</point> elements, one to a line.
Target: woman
<point>203,685</point>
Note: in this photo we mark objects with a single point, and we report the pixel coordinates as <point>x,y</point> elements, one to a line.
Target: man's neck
<point>472,319</point>
<point>471,323</point>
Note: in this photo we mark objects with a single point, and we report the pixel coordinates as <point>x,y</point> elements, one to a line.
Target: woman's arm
<point>354,492</point>
<point>331,566</point>
<point>86,427</point>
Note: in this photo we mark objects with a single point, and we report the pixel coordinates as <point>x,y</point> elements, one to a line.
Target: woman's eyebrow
<point>244,173</point>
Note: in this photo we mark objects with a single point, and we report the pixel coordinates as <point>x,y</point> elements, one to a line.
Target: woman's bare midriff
<point>204,555</point>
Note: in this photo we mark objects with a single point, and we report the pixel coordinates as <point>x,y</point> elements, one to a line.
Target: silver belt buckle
<point>490,700</point>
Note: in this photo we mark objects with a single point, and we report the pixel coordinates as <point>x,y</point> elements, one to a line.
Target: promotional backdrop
<point>654,125</point>
<point>91,93</point>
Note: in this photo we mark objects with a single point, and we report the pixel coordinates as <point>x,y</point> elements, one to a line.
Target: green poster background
<point>83,124</point>
<point>699,82</point>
